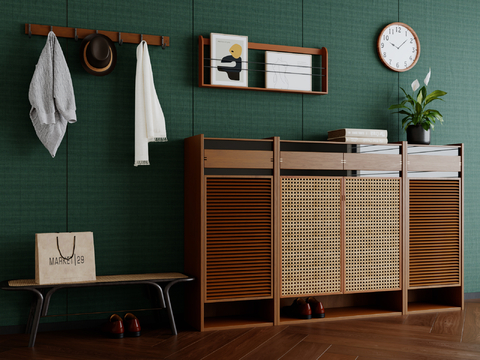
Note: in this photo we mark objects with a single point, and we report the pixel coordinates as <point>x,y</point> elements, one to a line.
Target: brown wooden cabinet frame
<point>212,157</point>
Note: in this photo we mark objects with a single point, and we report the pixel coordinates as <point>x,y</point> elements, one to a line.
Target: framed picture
<point>229,60</point>
<point>288,71</point>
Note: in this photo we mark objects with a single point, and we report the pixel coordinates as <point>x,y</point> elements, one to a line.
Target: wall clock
<point>398,47</point>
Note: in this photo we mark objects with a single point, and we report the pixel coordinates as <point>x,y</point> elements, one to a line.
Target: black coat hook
<point>163,42</point>
<point>29,30</point>
<point>120,41</point>
<point>51,28</point>
<point>76,35</point>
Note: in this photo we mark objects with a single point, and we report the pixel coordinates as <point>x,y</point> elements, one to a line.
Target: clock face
<point>398,47</point>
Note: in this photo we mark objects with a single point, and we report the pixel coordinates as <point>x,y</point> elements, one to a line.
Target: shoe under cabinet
<point>269,221</point>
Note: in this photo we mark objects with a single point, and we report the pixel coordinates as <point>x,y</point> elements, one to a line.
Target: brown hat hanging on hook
<point>98,54</point>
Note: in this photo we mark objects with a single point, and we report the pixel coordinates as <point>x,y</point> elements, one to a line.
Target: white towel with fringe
<point>149,118</point>
<point>51,96</point>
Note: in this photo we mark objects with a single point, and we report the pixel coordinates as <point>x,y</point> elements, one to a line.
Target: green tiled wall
<point>136,214</point>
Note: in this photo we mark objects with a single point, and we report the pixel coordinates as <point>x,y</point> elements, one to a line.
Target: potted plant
<point>418,119</point>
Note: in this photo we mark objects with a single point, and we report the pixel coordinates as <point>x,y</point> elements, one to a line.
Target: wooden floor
<point>443,335</point>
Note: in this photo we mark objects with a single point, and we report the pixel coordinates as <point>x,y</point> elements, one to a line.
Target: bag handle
<point>73,252</point>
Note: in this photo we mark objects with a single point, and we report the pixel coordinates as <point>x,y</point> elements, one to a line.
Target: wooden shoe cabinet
<point>368,230</point>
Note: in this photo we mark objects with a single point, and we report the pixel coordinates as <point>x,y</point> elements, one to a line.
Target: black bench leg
<point>36,317</point>
<point>169,307</point>
<point>160,297</point>
<point>46,301</point>
<point>31,315</point>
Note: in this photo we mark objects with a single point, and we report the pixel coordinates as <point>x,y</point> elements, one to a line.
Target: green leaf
<point>411,100</point>
<point>421,94</point>
<point>398,106</point>
<point>406,121</point>
<point>438,116</point>
<point>416,119</point>
<point>435,95</point>
<point>424,93</point>
<point>431,118</point>
<point>418,108</point>
<point>434,115</point>
<point>419,97</point>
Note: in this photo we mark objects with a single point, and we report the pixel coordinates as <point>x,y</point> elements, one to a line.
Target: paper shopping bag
<point>64,258</point>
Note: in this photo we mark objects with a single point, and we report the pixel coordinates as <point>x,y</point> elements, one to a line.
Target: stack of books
<point>359,136</point>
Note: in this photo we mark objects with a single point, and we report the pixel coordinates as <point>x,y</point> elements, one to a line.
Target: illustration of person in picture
<point>233,73</point>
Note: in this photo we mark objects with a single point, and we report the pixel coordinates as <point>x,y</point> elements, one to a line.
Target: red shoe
<point>132,325</point>
<point>301,309</point>
<point>114,327</point>
<point>317,307</point>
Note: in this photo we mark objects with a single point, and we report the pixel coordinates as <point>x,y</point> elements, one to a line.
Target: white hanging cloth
<point>51,96</point>
<point>149,118</point>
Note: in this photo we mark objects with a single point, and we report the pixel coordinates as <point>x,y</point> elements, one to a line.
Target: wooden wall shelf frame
<point>115,36</point>
<point>312,209</point>
<point>202,42</point>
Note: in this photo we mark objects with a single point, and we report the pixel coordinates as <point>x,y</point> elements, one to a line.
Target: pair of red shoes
<point>117,328</point>
<point>308,309</point>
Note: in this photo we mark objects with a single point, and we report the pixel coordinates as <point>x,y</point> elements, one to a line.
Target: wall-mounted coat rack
<point>77,33</point>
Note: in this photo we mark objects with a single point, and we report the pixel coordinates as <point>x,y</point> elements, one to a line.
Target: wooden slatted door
<point>311,236</point>
<point>434,232</point>
<point>372,234</point>
<point>238,238</point>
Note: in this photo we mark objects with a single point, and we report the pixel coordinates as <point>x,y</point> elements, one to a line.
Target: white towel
<point>149,118</point>
<point>51,96</point>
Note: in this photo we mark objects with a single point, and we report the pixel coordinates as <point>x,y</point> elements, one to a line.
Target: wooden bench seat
<point>44,292</point>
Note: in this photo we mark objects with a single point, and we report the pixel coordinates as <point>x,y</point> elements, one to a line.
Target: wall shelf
<point>204,70</point>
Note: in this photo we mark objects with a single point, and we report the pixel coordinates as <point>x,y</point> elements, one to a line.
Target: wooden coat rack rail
<point>77,33</point>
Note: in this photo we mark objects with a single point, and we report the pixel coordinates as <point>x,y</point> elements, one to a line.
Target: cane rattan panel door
<point>311,236</point>
<point>238,238</point>
<point>372,234</point>
<point>434,232</point>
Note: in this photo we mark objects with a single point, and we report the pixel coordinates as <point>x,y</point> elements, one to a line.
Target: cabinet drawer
<point>238,159</point>
<point>373,162</point>
<point>434,163</point>
<point>297,160</point>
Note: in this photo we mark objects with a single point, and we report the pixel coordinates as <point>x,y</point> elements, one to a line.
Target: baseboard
<point>85,324</point>
<point>74,325</point>
<point>471,296</point>
<point>54,326</point>
<point>13,329</point>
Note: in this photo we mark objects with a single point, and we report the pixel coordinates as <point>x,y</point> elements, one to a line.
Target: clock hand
<point>402,44</point>
<point>395,46</point>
